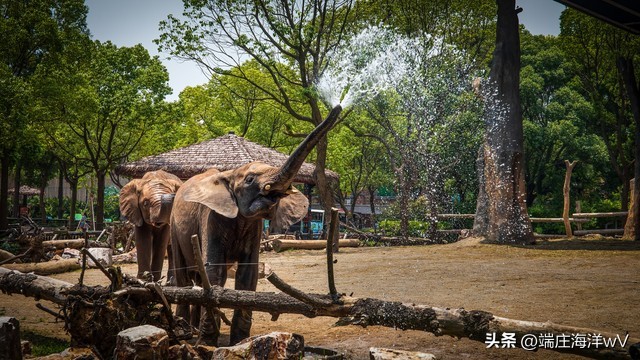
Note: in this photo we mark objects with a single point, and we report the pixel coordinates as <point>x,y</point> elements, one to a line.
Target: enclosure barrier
<point>578,218</point>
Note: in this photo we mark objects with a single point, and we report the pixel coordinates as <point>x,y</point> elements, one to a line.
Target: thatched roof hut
<point>223,153</point>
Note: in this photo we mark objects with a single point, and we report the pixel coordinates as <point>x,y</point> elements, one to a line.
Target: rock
<point>10,339</point>
<point>70,253</point>
<point>71,354</point>
<point>388,354</point>
<point>142,343</point>
<point>184,351</point>
<point>103,255</point>
<point>275,345</point>
<point>26,347</point>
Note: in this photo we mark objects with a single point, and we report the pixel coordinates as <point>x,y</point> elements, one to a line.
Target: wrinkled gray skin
<point>146,203</point>
<point>225,209</point>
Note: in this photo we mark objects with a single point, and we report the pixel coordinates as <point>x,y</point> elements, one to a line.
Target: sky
<point>131,22</point>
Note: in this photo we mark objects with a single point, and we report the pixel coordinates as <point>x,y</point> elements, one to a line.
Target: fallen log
<point>47,267</point>
<point>475,324</point>
<point>282,244</point>
<point>61,244</point>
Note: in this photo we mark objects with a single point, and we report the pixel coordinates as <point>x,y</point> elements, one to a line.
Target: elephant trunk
<point>166,204</point>
<point>291,167</point>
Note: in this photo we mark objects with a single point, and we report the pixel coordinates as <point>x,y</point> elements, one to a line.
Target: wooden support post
<point>567,201</point>
<point>84,256</point>
<point>578,210</point>
<point>206,285</point>
<point>10,338</point>
<point>629,227</point>
<point>332,247</point>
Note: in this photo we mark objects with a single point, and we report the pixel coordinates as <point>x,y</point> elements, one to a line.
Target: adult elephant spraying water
<point>146,203</point>
<point>225,209</point>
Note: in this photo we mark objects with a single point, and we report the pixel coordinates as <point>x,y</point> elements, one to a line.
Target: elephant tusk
<point>267,187</point>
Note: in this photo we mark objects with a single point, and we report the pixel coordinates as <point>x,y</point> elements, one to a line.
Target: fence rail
<point>577,218</point>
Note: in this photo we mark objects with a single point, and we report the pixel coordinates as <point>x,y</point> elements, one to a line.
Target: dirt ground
<point>591,283</point>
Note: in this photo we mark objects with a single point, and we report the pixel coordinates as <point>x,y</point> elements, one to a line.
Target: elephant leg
<point>181,275</point>
<point>159,249</point>
<point>144,247</point>
<point>246,279</point>
<point>217,274</point>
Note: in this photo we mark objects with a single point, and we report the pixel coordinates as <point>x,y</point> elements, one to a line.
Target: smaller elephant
<point>147,203</point>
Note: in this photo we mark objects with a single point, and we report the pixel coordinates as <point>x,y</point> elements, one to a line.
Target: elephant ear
<point>129,202</point>
<point>290,209</point>
<point>213,192</point>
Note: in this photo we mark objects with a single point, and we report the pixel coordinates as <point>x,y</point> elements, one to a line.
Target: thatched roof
<point>26,190</point>
<point>223,153</point>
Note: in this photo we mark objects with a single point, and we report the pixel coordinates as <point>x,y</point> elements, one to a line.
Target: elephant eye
<point>249,179</point>
<point>145,203</point>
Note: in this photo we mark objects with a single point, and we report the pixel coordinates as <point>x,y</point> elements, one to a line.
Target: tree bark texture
<point>629,227</point>
<point>507,220</point>
<point>473,324</point>
<point>567,199</point>
<point>4,190</point>
<point>625,66</point>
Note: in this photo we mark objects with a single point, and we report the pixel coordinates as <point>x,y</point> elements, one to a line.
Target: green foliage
<point>44,345</point>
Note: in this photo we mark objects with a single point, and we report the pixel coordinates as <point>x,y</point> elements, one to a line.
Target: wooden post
<point>84,256</point>
<point>578,210</point>
<point>332,246</point>
<point>197,254</point>
<point>629,230</point>
<point>567,202</point>
<point>10,338</point>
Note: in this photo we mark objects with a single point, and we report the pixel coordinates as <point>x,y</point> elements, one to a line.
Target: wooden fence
<point>577,218</point>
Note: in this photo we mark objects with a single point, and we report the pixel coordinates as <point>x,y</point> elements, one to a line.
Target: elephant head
<point>149,199</point>
<point>260,190</point>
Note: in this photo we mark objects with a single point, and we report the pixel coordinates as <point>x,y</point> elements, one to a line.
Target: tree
<point>103,107</point>
<point>289,40</point>
<point>30,31</point>
<point>593,47</point>
<point>555,115</point>
<point>501,214</point>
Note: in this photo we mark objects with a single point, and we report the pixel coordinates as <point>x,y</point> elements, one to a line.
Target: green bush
<point>392,228</point>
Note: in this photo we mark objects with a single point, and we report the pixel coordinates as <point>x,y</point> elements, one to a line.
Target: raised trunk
<point>4,191</point>
<point>292,165</point>
<point>506,208</point>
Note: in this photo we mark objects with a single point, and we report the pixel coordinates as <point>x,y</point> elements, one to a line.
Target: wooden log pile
<point>107,311</point>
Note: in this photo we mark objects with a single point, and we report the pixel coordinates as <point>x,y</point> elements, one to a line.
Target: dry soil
<point>592,283</point>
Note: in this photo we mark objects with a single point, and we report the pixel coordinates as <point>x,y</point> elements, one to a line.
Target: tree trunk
<point>567,200</point>
<point>43,210</point>
<point>16,191</point>
<point>481,220</point>
<point>322,183</point>
<point>372,205</point>
<point>629,226</point>
<point>60,212</point>
<point>99,205</point>
<point>72,206</point>
<point>474,324</point>
<point>47,267</point>
<point>625,66</point>
<point>508,221</point>
<point>4,190</point>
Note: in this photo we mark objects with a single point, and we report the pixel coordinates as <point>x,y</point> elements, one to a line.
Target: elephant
<point>225,209</point>
<point>147,203</point>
